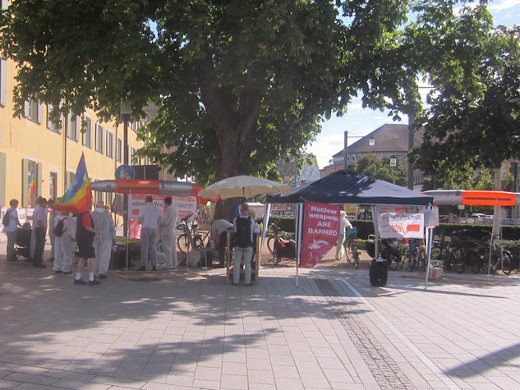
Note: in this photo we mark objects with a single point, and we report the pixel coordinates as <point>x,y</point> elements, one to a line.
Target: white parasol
<point>243,187</point>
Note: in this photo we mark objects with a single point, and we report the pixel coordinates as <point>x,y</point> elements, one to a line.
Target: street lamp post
<point>125,117</point>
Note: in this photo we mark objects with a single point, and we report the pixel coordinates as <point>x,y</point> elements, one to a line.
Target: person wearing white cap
<point>343,224</point>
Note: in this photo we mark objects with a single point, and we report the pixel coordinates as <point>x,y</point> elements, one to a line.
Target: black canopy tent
<point>346,187</point>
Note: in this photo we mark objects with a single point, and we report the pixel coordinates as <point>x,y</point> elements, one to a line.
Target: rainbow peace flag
<point>32,188</point>
<point>78,197</point>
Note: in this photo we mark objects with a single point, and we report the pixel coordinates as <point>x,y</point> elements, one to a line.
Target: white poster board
<point>186,205</point>
<point>400,221</point>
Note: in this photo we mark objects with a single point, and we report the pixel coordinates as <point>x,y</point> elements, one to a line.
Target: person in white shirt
<point>344,223</point>
<point>63,244</point>
<point>148,218</point>
<point>39,230</point>
<point>168,232</point>
<point>103,242</point>
<point>219,230</point>
<point>11,228</point>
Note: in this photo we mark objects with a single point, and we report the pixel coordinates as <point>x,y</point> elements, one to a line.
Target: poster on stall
<point>320,232</point>
<point>186,205</point>
<point>400,221</point>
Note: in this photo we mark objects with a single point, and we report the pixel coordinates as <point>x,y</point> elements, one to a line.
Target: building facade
<point>31,145</point>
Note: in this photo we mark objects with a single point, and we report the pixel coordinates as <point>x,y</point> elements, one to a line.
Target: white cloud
<point>504,4</point>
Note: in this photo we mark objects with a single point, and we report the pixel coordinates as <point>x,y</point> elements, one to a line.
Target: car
<point>446,219</point>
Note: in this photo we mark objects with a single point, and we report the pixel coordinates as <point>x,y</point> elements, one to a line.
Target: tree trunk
<point>232,126</point>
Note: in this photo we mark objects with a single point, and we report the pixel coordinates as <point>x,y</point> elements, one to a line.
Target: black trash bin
<point>378,272</point>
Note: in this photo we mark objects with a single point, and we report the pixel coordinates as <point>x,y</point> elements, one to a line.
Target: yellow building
<point>32,144</point>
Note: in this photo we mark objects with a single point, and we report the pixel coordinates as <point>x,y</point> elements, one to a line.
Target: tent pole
<point>376,231</point>
<point>428,251</point>
<point>298,237</point>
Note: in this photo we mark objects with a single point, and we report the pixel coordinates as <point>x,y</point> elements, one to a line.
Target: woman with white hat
<point>343,223</point>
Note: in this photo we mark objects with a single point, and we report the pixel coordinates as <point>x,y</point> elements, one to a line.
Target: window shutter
<point>40,113</point>
<point>25,182</point>
<point>3,81</point>
<point>27,109</point>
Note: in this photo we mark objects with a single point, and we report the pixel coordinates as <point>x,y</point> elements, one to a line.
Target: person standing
<point>219,230</point>
<point>52,224</point>
<point>39,229</point>
<point>344,224</point>
<point>168,229</point>
<point>148,218</point>
<point>11,229</point>
<point>243,251</point>
<point>104,241</point>
<point>85,233</point>
<point>63,243</point>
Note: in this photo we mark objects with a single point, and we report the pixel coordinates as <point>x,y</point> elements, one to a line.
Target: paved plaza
<point>191,330</point>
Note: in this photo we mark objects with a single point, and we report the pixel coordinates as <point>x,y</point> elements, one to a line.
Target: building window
<point>109,198</point>
<point>136,125</point>
<point>55,127</point>
<point>53,185</point>
<point>371,141</point>
<point>110,144</point>
<point>33,110</point>
<point>131,154</point>
<point>119,150</point>
<point>86,137</point>
<point>69,180</point>
<point>73,127</point>
<point>99,138</point>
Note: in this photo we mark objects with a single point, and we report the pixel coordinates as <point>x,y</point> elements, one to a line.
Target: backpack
<point>5,219</point>
<point>58,230</point>
<point>243,233</point>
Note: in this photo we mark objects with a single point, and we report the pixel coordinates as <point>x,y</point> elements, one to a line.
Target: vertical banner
<point>400,221</point>
<point>320,232</point>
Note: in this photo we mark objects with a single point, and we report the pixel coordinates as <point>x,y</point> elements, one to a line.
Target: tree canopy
<point>238,84</point>
<point>381,168</point>
<point>473,117</point>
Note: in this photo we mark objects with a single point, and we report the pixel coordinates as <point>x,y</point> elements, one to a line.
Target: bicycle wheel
<point>355,254</point>
<point>421,262</point>
<point>198,242</point>
<point>183,243</point>
<point>507,262</point>
<point>458,261</point>
<point>270,244</point>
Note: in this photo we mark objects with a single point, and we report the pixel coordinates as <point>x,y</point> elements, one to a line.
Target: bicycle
<point>416,255</point>
<point>272,239</point>
<point>189,239</point>
<point>351,244</point>
<point>501,258</point>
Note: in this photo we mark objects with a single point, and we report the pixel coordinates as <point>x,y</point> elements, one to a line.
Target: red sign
<point>320,232</point>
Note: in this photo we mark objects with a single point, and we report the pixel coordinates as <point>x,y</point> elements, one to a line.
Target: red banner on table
<point>320,232</point>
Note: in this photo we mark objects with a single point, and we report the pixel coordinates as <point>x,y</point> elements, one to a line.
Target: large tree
<point>473,117</point>
<point>238,83</point>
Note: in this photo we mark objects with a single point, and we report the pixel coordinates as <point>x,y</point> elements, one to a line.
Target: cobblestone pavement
<point>325,329</point>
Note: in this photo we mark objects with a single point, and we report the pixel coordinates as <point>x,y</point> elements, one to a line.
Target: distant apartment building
<point>387,141</point>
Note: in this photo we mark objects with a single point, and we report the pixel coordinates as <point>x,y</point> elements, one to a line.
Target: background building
<point>32,145</point>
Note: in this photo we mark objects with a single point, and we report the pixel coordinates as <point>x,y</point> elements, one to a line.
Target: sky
<point>359,122</point>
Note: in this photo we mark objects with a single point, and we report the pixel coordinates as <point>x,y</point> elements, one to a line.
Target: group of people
<point>154,225</point>
<point>94,233</point>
